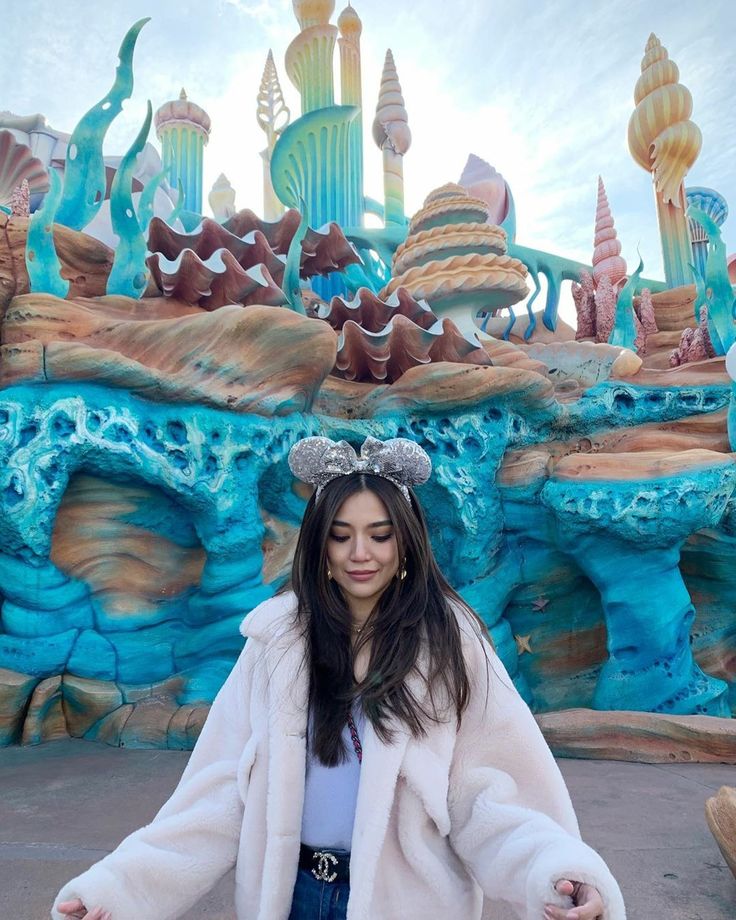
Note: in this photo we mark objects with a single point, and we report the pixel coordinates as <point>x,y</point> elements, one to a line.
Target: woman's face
<point>361,550</point>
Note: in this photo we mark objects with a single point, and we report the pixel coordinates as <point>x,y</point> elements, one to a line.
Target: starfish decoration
<point>522,644</point>
<point>540,604</point>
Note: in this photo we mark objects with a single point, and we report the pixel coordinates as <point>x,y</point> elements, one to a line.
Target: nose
<point>360,549</point>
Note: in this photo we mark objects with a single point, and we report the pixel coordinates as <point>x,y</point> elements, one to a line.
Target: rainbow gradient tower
<point>183,128</point>
<point>317,162</point>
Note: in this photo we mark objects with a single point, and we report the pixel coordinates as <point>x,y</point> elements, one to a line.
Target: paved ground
<point>64,805</point>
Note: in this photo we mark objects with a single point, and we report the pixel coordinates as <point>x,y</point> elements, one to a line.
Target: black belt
<point>325,865</point>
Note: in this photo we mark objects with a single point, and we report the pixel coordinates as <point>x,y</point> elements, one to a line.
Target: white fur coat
<point>456,826</point>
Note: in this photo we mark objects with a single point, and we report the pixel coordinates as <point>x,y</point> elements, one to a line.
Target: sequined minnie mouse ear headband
<point>320,460</point>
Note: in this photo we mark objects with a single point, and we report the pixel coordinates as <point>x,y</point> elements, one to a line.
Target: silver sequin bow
<point>320,460</point>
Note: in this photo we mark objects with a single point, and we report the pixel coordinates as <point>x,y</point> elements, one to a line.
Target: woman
<point>367,713</point>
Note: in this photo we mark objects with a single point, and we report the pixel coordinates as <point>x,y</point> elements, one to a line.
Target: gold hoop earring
<point>402,573</point>
<point>329,573</point>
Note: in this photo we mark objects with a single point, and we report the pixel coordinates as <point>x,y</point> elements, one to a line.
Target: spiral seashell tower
<point>664,141</point>
<point>607,259</point>
<point>456,261</point>
<point>392,135</point>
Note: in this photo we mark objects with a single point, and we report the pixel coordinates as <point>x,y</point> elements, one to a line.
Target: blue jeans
<point>315,900</point>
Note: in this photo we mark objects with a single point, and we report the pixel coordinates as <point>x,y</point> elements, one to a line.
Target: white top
<point>331,794</point>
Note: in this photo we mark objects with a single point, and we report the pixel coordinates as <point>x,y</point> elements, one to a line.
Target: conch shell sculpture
<point>392,135</point>
<point>662,139</point>
<point>607,258</point>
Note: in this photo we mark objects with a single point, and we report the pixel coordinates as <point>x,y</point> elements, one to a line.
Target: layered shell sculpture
<point>241,261</point>
<point>379,340</point>
<point>662,139</point>
<point>607,259</point>
<point>16,164</point>
<point>456,261</point>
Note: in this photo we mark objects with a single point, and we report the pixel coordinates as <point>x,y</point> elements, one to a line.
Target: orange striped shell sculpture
<point>662,139</point>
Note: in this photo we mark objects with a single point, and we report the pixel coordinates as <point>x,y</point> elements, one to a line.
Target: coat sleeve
<point>161,870</point>
<point>512,821</point>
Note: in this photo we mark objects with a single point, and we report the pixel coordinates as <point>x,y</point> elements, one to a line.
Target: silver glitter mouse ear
<point>319,460</point>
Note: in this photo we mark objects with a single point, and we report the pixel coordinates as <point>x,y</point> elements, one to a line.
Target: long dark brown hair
<point>413,614</point>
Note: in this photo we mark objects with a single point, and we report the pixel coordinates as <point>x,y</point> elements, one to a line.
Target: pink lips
<point>360,576</point>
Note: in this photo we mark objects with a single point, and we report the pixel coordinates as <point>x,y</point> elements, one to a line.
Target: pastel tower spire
<point>392,135</point>
<point>664,141</point>
<point>607,259</point>
<point>351,93</point>
<point>309,57</point>
<point>183,128</point>
<point>273,116</point>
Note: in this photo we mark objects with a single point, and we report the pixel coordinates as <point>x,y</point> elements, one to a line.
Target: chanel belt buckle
<point>322,873</point>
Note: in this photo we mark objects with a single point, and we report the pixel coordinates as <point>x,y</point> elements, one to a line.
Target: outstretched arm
<point>512,821</point>
<point>167,866</point>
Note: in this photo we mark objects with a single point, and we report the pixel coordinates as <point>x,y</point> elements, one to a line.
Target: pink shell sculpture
<point>607,258</point>
<point>481,180</point>
<point>16,164</point>
<point>380,340</point>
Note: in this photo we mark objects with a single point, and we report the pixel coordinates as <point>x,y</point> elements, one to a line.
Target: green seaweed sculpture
<point>42,262</point>
<point>129,275</point>
<point>623,334</point>
<point>714,291</point>
<point>290,285</point>
<point>179,206</point>
<point>145,203</point>
<point>84,174</point>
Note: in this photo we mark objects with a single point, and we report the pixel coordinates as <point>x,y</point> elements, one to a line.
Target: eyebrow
<point>374,524</point>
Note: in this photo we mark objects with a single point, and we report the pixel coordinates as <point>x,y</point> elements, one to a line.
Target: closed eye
<point>341,539</point>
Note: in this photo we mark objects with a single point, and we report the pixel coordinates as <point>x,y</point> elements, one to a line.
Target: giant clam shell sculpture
<point>16,164</point>
<point>379,340</point>
<point>241,261</point>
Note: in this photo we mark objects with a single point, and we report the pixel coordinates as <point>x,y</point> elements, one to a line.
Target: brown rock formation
<point>255,360</point>
<point>641,737</point>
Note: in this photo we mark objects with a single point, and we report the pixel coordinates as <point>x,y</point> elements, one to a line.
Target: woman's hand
<point>77,911</point>
<point>587,900</point>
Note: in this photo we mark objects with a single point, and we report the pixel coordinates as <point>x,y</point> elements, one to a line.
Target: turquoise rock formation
<point>42,262</point>
<point>216,474</point>
<point>639,527</point>
<point>84,173</point>
<point>129,275</point>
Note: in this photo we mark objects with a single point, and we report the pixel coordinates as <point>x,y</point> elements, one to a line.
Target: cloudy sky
<point>543,90</point>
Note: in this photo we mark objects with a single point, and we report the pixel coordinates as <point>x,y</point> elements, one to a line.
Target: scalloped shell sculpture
<point>391,123</point>
<point>373,314</point>
<point>213,265</point>
<point>607,258</point>
<point>456,261</point>
<point>712,203</point>
<point>214,282</point>
<point>323,250</point>
<point>380,340</point>
<point>662,139</point>
<point>384,356</point>
<point>481,180</point>
<point>16,164</point>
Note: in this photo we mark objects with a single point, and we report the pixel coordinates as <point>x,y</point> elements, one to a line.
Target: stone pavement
<point>65,804</point>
